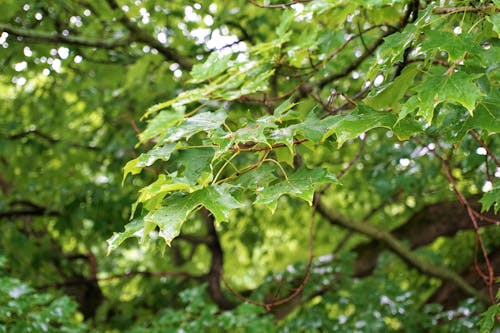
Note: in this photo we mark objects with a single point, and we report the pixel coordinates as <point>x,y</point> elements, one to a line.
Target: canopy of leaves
<point>249,166</point>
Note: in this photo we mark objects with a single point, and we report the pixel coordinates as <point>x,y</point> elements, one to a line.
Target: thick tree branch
<point>475,217</point>
<point>433,221</point>
<point>27,208</point>
<point>196,239</point>
<point>400,249</point>
<point>136,34</point>
<point>56,38</point>
<point>216,265</point>
<point>29,212</point>
<point>5,186</point>
<point>48,138</point>
<point>86,290</point>
<point>450,296</point>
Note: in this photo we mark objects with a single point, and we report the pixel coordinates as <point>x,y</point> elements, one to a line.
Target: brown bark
<point>450,297</point>
<point>399,247</point>
<point>216,265</point>
<point>442,219</point>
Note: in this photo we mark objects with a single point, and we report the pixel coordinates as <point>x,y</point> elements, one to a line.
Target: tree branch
<point>56,38</point>
<point>28,208</point>
<point>433,221</point>
<point>476,137</point>
<point>48,138</point>
<point>216,265</point>
<point>29,212</point>
<point>195,239</point>
<point>450,296</point>
<point>355,64</point>
<point>401,250</point>
<point>469,9</point>
<point>140,35</point>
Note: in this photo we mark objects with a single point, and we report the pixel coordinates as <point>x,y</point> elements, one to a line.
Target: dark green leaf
<point>201,122</point>
<point>300,184</point>
<point>193,163</point>
<point>391,93</point>
<point>491,199</point>
<point>178,206</point>
<point>454,44</point>
<point>358,122</point>
<point>440,87</point>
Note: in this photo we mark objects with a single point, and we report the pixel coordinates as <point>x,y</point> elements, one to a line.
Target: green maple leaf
<point>152,194</point>
<point>311,128</point>
<point>491,199</point>
<point>253,132</point>
<point>284,136</point>
<point>395,44</point>
<point>495,21</point>
<point>132,229</point>
<point>391,93</point>
<point>359,121</point>
<point>213,66</point>
<point>160,122</point>
<point>487,113</point>
<point>283,110</point>
<point>177,207</point>
<point>201,122</point>
<point>193,163</point>
<point>258,178</point>
<point>300,184</point>
<point>147,159</point>
<point>439,87</point>
<point>454,44</point>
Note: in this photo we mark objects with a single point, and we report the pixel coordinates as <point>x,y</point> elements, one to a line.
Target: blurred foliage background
<point>394,249</point>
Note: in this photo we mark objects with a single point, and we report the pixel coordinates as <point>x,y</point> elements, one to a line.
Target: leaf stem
<point>224,166</point>
<point>278,164</point>
<point>195,110</point>
<point>195,147</point>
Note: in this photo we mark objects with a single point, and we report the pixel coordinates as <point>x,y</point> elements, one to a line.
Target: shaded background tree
<point>394,104</point>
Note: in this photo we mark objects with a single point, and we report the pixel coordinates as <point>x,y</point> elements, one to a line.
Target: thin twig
<point>452,10</point>
<point>489,278</point>
<point>253,148</point>
<point>344,170</point>
<point>476,136</point>
<point>296,292</point>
